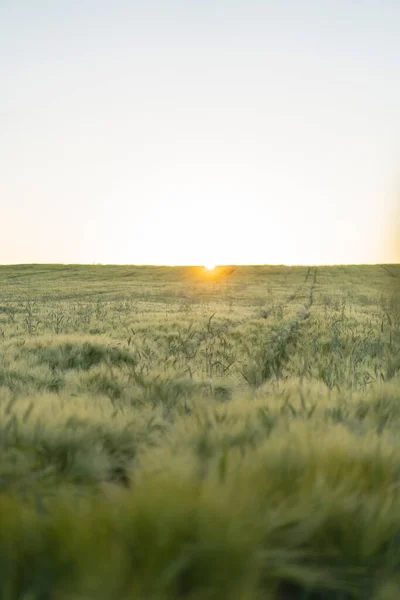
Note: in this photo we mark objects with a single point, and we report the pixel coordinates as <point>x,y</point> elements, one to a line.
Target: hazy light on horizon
<point>200,133</point>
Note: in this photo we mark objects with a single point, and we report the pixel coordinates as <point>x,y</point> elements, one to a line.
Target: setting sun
<point>209,267</point>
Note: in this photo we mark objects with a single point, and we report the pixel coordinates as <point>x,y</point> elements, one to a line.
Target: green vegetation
<point>167,433</point>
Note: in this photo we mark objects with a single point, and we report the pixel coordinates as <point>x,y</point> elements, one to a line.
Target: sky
<point>200,132</point>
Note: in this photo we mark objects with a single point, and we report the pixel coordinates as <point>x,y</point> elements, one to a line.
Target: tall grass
<point>165,435</point>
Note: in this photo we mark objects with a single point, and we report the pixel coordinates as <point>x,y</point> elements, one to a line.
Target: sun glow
<point>209,267</point>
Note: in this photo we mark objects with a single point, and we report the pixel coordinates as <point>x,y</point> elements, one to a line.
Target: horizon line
<point>100,264</point>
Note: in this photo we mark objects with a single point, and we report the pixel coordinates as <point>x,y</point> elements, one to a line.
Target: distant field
<point>177,433</point>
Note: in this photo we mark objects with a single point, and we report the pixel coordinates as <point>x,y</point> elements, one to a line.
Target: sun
<point>209,267</point>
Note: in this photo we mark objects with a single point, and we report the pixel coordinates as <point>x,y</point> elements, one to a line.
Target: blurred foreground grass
<point>171,433</point>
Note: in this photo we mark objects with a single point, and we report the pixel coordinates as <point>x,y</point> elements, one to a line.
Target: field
<point>174,433</point>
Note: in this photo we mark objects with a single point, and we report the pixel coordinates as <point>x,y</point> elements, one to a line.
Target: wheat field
<point>177,433</point>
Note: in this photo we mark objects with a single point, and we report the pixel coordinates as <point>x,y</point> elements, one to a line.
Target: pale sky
<point>200,131</point>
